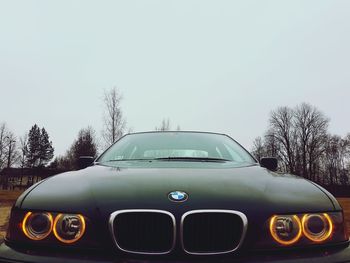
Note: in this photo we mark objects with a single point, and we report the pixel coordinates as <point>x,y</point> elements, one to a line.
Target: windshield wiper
<point>170,158</point>
<point>195,159</point>
<point>140,159</point>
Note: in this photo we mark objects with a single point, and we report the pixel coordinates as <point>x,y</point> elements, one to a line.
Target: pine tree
<point>85,144</point>
<point>45,150</point>
<point>33,146</point>
<point>40,150</point>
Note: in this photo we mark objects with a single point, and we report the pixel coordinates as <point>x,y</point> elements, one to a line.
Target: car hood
<point>100,190</point>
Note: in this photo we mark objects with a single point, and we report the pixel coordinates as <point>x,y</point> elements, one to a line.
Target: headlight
<point>286,230</point>
<point>37,226</point>
<point>317,227</point>
<point>69,228</point>
<point>49,228</point>
<point>307,229</point>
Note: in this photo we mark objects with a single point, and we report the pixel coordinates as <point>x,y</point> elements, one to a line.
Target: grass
<point>7,199</point>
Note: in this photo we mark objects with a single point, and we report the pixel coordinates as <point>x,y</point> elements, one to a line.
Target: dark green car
<point>176,196</point>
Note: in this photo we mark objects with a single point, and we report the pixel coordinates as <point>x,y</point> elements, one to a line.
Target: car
<point>176,196</point>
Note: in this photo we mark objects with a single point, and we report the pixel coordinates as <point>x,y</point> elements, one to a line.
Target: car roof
<point>172,131</point>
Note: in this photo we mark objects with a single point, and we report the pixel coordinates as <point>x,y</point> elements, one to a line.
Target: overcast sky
<point>217,66</point>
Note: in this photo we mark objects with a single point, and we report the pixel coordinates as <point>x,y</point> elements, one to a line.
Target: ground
<point>7,198</point>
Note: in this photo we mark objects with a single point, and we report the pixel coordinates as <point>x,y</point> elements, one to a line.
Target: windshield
<point>172,146</point>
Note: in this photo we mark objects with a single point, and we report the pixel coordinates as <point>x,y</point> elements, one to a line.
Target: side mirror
<point>85,161</point>
<point>270,163</point>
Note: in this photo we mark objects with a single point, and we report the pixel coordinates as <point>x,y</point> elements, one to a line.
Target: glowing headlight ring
<point>325,218</point>
<point>82,230</point>
<point>279,240</point>
<point>31,236</point>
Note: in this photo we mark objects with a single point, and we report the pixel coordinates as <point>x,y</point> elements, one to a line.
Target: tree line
<point>34,149</point>
<point>299,137</point>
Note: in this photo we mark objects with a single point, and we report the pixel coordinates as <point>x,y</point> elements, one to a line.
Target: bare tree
<point>336,161</point>
<point>3,143</point>
<point>298,137</point>
<point>311,127</point>
<point>165,125</point>
<point>332,158</point>
<point>345,160</point>
<point>8,151</point>
<point>114,122</point>
<point>282,129</point>
<point>270,144</point>
<point>23,150</point>
<point>258,149</point>
<point>11,149</point>
<point>8,147</point>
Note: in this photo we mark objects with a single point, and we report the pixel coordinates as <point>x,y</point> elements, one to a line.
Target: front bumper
<point>15,255</point>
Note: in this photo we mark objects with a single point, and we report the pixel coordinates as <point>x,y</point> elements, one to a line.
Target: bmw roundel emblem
<point>178,196</point>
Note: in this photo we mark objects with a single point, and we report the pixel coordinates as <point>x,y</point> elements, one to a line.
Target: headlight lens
<point>286,230</point>
<point>69,228</point>
<point>317,227</point>
<point>37,226</point>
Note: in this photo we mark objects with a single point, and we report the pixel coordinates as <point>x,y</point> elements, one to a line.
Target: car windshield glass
<point>176,146</point>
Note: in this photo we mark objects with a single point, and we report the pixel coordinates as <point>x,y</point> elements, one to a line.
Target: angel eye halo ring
<point>69,228</point>
<point>317,227</point>
<point>286,230</point>
<point>38,225</point>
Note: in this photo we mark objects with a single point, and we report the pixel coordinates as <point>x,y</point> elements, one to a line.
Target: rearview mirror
<point>270,163</point>
<point>85,161</point>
